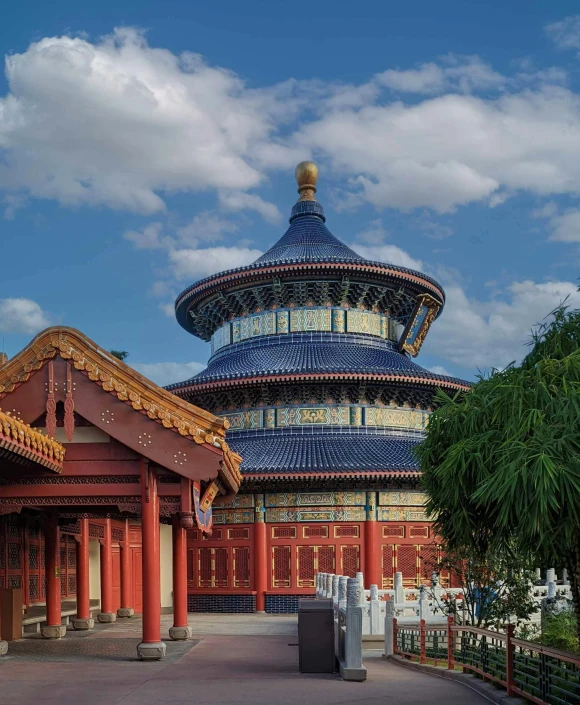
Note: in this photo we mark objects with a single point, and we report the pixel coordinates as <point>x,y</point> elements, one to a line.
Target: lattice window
<point>407,564</point>
<point>388,558</point>
<point>14,530</point>
<point>221,567</point>
<point>320,532</point>
<point>72,557</point>
<point>325,558</point>
<point>34,528</point>
<point>43,587</point>
<point>394,531</point>
<point>62,585</point>
<point>42,558</point>
<point>14,556</point>
<point>33,556</point>
<point>350,560</point>
<point>63,557</point>
<point>241,557</point>
<point>428,561</point>
<point>33,588</point>
<point>205,567</point>
<point>306,566</point>
<point>239,533</point>
<point>346,531</point>
<point>192,535</point>
<point>283,532</point>
<point>281,566</point>
<point>72,584</point>
<point>216,535</point>
<point>14,581</point>
<point>96,531</point>
<point>118,535</point>
<point>419,532</point>
<point>191,567</point>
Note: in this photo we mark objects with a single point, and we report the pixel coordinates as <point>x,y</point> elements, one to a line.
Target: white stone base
<point>80,624</point>
<point>3,648</point>
<point>107,617</point>
<point>125,612</point>
<point>151,652</point>
<point>180,633</point>
<point>53,632</point>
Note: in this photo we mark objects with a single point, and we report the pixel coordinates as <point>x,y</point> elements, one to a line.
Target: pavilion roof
<point>22,444</point>
<point>128,386</point>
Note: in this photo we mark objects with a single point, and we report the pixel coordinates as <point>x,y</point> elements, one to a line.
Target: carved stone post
<point>389,617</point>
<point>375,610</point>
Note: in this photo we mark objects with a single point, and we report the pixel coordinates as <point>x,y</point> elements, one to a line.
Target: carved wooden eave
<point>21,443</point>
<point>129,387</point>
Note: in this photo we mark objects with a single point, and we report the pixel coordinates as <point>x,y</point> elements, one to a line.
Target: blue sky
<point>146,145</point>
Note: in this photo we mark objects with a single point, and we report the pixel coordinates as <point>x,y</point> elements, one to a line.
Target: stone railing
<point>411,605</point>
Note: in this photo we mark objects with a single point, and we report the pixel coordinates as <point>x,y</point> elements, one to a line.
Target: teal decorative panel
<point>314,499</point>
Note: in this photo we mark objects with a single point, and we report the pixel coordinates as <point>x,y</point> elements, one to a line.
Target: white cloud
<point>22,316</point>
<point>566,226</point>
<point>485,334</point>
<point>163,373</point>
<point>566,32</point>
<point>464,74</point>
<point>206,226</point>
<point>390,254</point>
<point>199,263</point>
<point>238,200</point>
<point>149,238</point>
<point>440,370</point>
<point>118,123</point>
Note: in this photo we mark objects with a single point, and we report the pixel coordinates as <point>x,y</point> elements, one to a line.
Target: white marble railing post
<point>328,585</point>
<point>389,617</point>
<point>399,593</point>
<point>342,585</point>
<point>335,589</point>
<point>351,666</point>
<point>424,611</point>
<point>375,610</point>
<point>550,576</point>
<point>361,584</point>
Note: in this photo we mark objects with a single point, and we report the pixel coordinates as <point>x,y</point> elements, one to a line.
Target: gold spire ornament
<point>306,177</point>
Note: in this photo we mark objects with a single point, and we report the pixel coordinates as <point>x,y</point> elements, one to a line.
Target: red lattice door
<point>241,566</point>
<point>13,553</point>
<point>388,567</point>
<point>407,564</point>
<point>350,560</point>
<point>281,568</point>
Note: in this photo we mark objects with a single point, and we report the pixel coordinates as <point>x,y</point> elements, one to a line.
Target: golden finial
<point>307,176</point>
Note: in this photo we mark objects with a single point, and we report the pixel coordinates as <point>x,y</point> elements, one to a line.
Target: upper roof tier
<point>293,268</point>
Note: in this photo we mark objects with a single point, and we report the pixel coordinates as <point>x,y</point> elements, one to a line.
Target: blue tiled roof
<point>308,240</point>
<point>282,453</point>
<point>311,357</point>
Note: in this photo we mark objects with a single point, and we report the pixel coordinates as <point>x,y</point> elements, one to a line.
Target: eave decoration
<point>25,442</point>
<point>424,314</point>
<point>123,382</point>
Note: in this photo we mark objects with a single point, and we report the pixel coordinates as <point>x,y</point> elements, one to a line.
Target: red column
<point>180,629</point>
<point>372,571</point>
<point>53,629</point>
<point>106,614</point>
<point>151,646</point>
<point>83,619</point>
<point>126,576</point>
<point>260,555</point>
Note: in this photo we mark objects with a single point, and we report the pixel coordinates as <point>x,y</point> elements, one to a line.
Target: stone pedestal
<point>107,617</point>
<point>53,632</point>
<point>3,648</point>
<point>80,624</point>
<point>180,633</point>
<point>151,652</point>
<point>125,612</point>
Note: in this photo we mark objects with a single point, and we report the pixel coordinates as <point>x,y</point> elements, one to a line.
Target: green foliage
<point>496,588</point>
<point>501,463</point>
<point>560,632</point>
<point>119,354</point>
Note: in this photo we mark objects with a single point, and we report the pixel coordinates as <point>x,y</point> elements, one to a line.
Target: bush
<point>559,632</point>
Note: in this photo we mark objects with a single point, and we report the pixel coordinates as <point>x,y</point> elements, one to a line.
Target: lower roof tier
<point>316,358</point>
<point>321,453</point>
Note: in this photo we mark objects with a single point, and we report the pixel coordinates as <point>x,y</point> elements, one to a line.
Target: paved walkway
<point>236,660</point>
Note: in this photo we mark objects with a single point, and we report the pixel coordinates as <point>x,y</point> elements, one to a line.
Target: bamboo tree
<point>501,464</point>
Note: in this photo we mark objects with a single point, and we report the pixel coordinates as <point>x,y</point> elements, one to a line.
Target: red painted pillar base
<point>126,576</point>
<point>83,620</point>
<point>180,630</point>
<point>151,647</point>
<point>54,629</point>
<point>260,556</point>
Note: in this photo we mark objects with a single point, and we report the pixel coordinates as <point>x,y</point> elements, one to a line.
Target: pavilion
<point>95,456</point>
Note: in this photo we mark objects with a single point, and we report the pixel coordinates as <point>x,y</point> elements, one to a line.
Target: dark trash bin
<point>316,636</point>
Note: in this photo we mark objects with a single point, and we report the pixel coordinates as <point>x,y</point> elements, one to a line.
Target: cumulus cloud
<point>565,33</point>
<point>390,254</point>
<point>22,316</point>
<point>163,373</point>
<point>238,200</point>
<point>199,263</point>
<point>119,123</point>
<point>485,334</point>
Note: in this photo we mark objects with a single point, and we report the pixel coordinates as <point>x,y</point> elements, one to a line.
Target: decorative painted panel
<point>233,516</point>
<point>241,501</point>
<point>314,499</point>
<point>399,514</point>
<point>322,514</point>
<point>402,499</point>
<point>310,319</point>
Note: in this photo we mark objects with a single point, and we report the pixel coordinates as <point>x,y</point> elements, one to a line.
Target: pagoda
<point>310,365</point>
